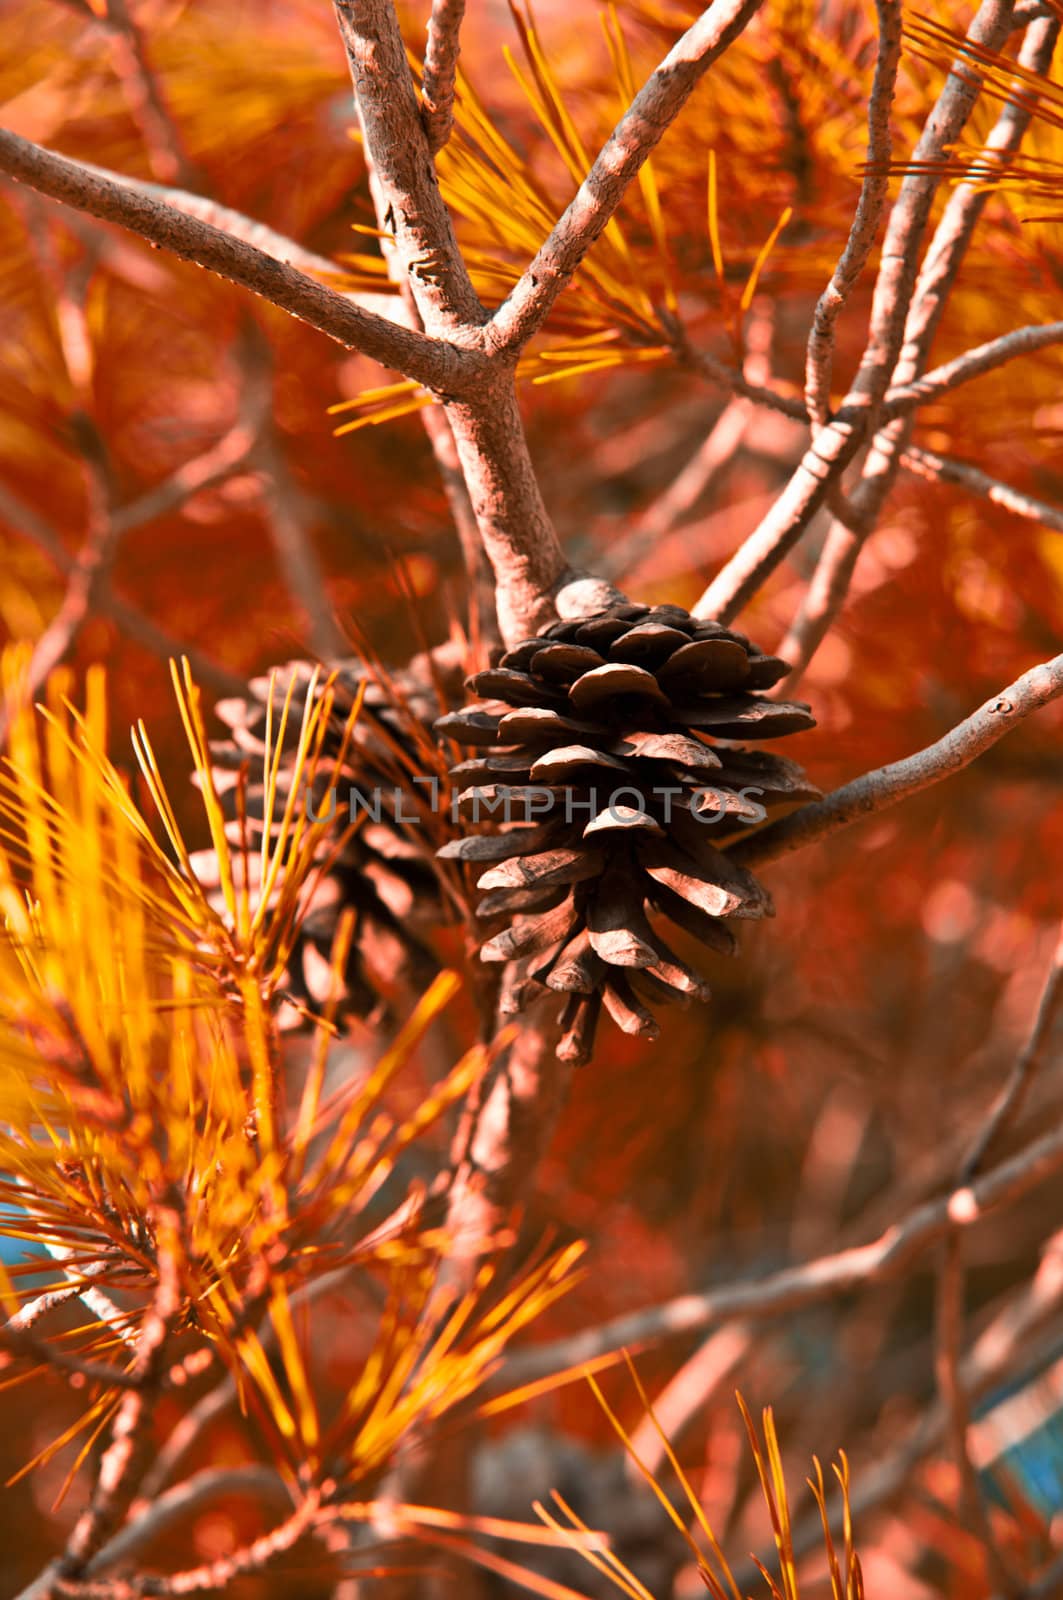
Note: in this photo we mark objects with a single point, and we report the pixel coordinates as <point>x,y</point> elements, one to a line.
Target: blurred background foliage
<point>834,1079</point>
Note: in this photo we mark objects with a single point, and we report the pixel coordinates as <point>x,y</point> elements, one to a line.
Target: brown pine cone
<point>384,868</point>
<point>601,764</point>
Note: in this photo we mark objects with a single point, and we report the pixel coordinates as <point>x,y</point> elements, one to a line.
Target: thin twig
<point>51,1300</point>
<point>291,539</point>
<point>727,377</point>
<point>942,469</point>
<point>794,1288</point>
<point>290,536</point>
<point>720,445</point>
<point>182,1501</point>
<point>874,189</point>
<point>23,1343</point>
<point>211,1576</point>
<point>716,450</point>
<point>953,1395</point>
<point>213,467</point>
<point>812,483</point>
<point>134,622</point>
<point>1028,1063</point>
<point>440,71</point>
<point>887,786</point>
<point>91,567</point>
<point>899,399</point>
<point>162,137</point>
<point>115,1475</point>
<point>902,397</point>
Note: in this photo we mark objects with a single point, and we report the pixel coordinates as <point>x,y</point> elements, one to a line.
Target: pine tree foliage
<point>284,1312</point>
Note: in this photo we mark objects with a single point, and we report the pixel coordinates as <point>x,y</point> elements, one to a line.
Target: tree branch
<point>520,540</point>
<point>440,71</point>
<point>650,114</point>
<point>129,617</point>
<point>240,226</point>
<point>953,1395</point>
<point>1027,1064</point>
<point>115,1475</point>
<point>438,365</point>
<point>942,469</point>
<point>794,1288</point>
<point>992,1358</point>
<point>820,354</point>
<point>902,397</point>
<point>848,534</point>
<point>886,786</point>
<point>820,470</point>
<point>410,206</point>
<point>813,481</point>
<point>183,1500</point>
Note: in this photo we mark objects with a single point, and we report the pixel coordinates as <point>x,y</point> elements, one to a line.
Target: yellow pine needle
<point>391,1412</point>
<point>541,1386</point>
<point>684,1483</point>
<point>256,1363</point>
<point>315,1077</point>
<point>419,399</point>
<point>659,1494</point>
<point>99,1413</point>
<point>271,855</point>
<point>441,992</point>
<point>772,1484</point>
<point>395,1140</point>
<point>417,1516</point>
<point>541,1283</point>
<point>479,166</point>
<point>280,1313</point>
<point>476,122</point>
<point>841,1472</point>
<point>618,50</point>
<point>549,106</point>
<point>789,1567</point>
<point>549,1588</point>
<point>545,111</point>
<point>375,267</point>
<point>152,776</point>
<point>188,706</point>
<point>837,1588</point>
<point>548,101</point>
<point>372,1371</point>
<point>714,232</point>
<point>603,363</point>
<point>758,266</point>
<point>601,1558</point>
<point>367,396</point>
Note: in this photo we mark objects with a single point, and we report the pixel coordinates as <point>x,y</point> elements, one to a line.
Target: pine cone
<point>385,869</point>
<point>599,763</point>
